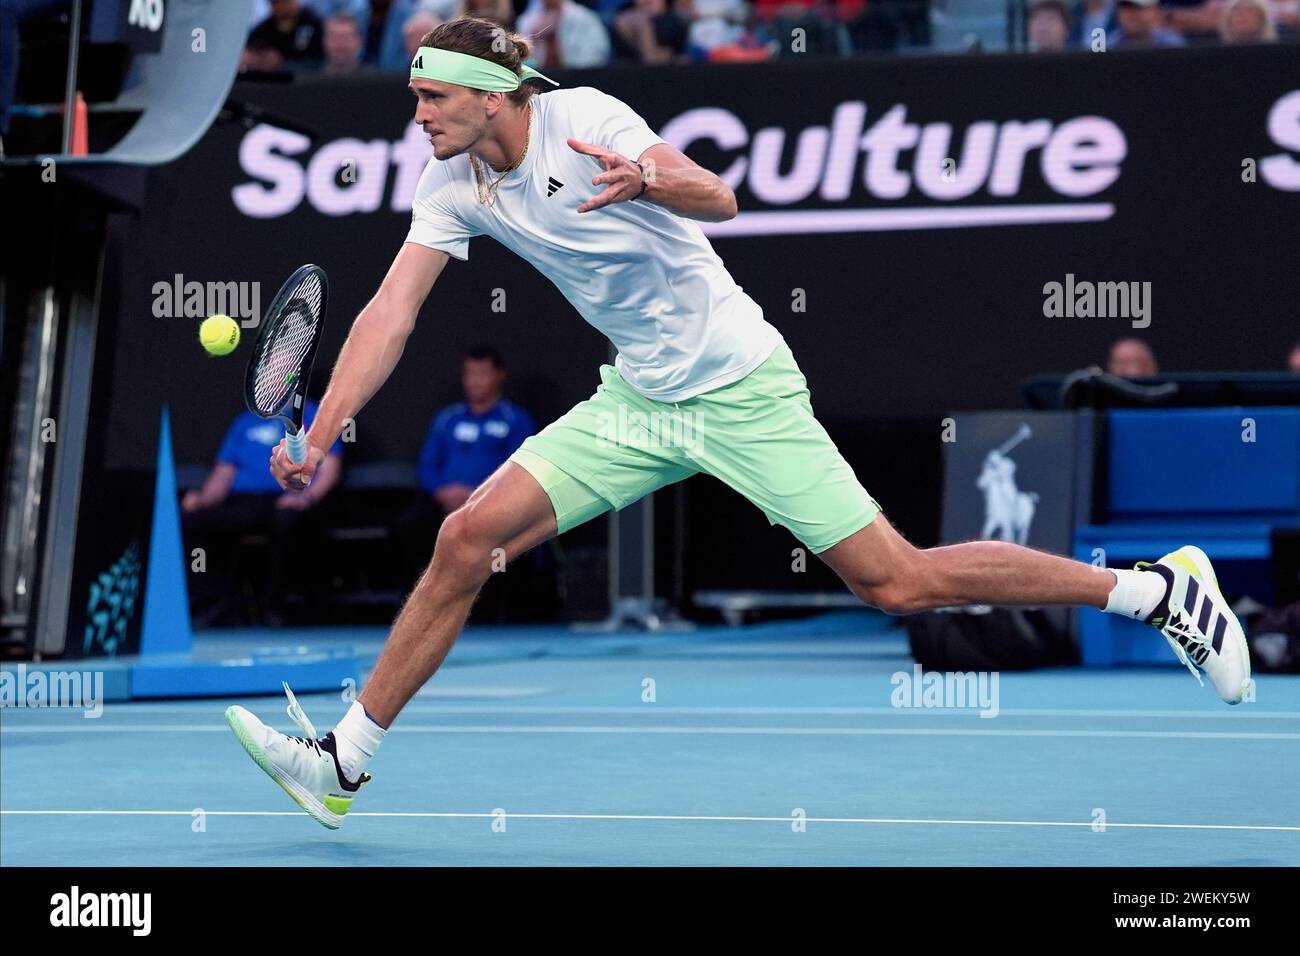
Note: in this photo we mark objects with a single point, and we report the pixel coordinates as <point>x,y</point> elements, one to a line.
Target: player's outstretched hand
<point>290,476</point>
<point>622,176</point>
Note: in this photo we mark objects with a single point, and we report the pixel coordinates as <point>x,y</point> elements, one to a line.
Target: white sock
<point>357,739</point>
<point>1136,593</point>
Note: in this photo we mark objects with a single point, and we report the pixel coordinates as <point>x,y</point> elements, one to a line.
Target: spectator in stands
<point>1293,361</point>
<point>1194,20</point>
<point>290,37</point>
<point>451,9</point>
<point>1286,17</point>
<point>465,443</point>
<point>240,495</point>
<point>1205,19</point>
<point>1048,25</point>
<point>1139,27</point>
<point>564,33</point>
<point>714,24</point>
<point>1247,21</point>
<point>1089,17</point>
<point>870,25</point>
<point>654,30</point>
<point>343,44</point>
<point>415,29</point>
<point>796,26</point>
<point>723,31</point>
<point>380,25</point>
<point>1132,358</point>
<point>498,11</point>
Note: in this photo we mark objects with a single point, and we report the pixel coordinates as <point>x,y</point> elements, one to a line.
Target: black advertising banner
<point>918,229</point>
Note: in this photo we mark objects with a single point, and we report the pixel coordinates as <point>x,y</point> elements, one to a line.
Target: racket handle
<point>296,441</point>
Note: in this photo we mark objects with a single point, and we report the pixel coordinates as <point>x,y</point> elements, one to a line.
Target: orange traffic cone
<point>80,127</point>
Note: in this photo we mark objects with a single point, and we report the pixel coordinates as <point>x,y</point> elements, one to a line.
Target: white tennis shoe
<point>1198,624</point>
<point>305,767</point>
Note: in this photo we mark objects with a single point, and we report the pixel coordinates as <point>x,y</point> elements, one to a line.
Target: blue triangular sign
<point>166,626</point>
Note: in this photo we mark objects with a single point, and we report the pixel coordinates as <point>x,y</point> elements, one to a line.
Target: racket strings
<point>282,361</point>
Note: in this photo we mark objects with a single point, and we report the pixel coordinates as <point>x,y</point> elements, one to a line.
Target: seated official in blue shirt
<point>468,441</point>
<point>241,495</point>
<point>465,443</point>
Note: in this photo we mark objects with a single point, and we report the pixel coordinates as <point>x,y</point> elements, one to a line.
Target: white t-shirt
<point>645,277</point>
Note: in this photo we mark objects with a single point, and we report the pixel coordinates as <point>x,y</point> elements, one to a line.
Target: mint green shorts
<point>757,435</point>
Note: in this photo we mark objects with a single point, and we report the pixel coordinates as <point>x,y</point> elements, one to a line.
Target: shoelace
<point>299,716</point>
<point>1181,626</point>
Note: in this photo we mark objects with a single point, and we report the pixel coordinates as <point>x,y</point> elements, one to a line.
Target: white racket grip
<point>296,441</point>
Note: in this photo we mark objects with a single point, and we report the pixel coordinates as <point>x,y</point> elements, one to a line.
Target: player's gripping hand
<point>290,476</point>
<point>622,177</point>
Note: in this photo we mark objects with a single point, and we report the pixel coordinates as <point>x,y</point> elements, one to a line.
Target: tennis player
<point>576,183</point>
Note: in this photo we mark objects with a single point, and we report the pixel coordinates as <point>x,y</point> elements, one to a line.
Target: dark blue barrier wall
<point>1237,461</point>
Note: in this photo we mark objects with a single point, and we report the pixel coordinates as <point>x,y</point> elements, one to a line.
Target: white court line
<point>423,706</point>
<point>666,817</point>
<point>100,727</point>
<point>650,709</point>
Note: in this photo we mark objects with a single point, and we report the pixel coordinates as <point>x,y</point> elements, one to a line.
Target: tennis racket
<point>276,382</point>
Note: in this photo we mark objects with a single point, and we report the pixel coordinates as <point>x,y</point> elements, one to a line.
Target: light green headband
<point>448,66</point>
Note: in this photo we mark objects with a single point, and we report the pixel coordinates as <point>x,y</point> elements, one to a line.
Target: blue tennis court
<point>770,744</point>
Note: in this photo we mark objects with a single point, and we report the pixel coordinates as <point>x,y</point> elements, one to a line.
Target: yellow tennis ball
<point>219,334</point>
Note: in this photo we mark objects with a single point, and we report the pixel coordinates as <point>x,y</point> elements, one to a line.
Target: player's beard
<point>443,149</point>
<point>466,143</point>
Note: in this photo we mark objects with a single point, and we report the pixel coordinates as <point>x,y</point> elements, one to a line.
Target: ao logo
<point>1008,511</point>
<point>147,14</point>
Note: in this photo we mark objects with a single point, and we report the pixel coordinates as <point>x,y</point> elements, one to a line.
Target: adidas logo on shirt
<point>553,186</point>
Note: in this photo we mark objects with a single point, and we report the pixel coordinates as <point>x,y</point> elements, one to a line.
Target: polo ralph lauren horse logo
<point>1008,511</point>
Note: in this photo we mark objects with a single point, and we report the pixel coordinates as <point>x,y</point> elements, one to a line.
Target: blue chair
<point>1241,480</point>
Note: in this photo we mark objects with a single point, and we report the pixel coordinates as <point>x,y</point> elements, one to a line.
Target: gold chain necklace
<point>487,191</point>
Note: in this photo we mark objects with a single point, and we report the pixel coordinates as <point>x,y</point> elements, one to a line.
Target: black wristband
<point>643,180</point>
